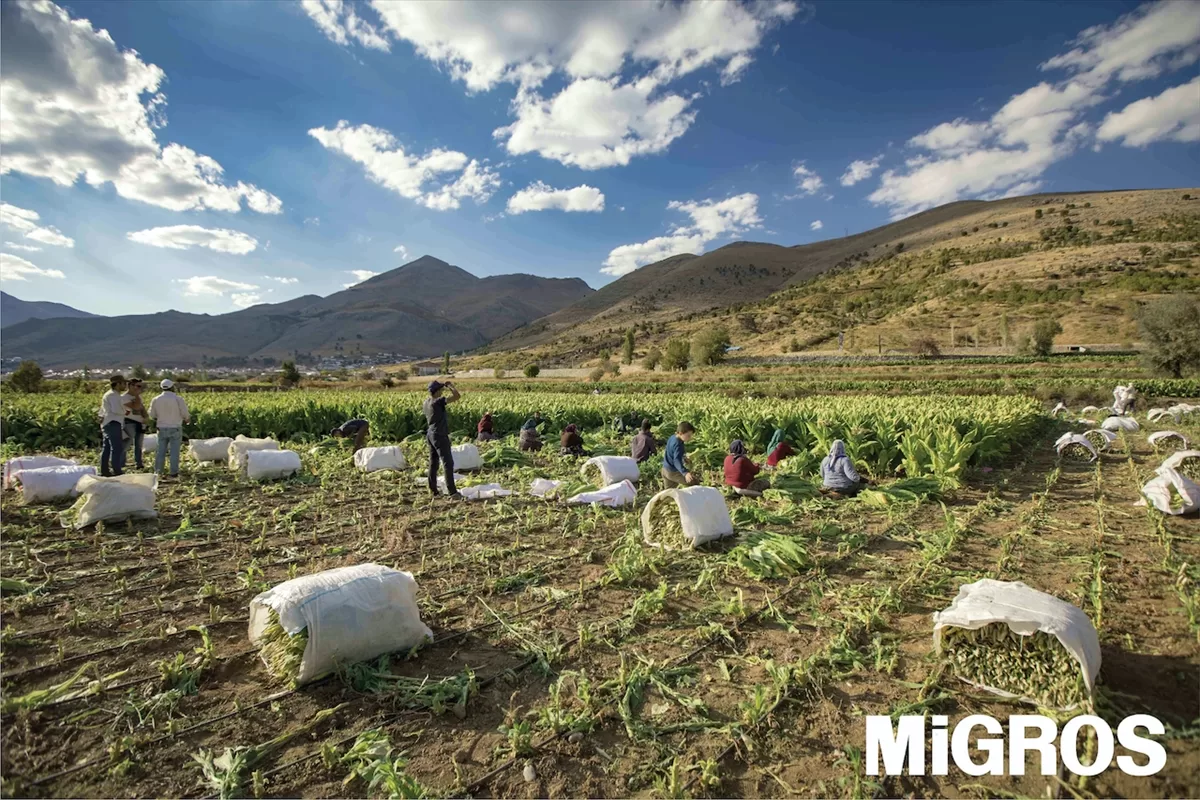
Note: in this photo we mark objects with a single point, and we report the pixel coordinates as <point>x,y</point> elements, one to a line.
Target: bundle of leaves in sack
<point>1036,667</point>
<point>282,652</point>
<point>1075,451</point>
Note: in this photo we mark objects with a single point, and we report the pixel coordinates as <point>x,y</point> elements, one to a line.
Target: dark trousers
<point>112,452</point>
<point>360,438</point>
<point>137,432</point>
<point>439,450</point>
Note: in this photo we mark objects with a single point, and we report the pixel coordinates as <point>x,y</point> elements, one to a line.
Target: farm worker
<point>170,413</point>
<point>740,471</point>
<point>486,428</point>
<point>675,470</point>
<point>778,449</point>
<point>360,429</point>
<point>572,442</point>
<point>112,427</point>
<point>644,444</point>
<point>533,422</point>
<point>838,474</point>
<point>437,435</point>
<point>135,418</point>
<point>529,439</point>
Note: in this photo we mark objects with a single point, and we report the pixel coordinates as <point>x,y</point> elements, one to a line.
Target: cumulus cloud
<point>15,268</point>
<point>341,23</point>
<point>541,197</point>
<point>1173,115</point>
<point>212,286</point>
<point>401,250</point>
<point>411,176</point>
<point>816,225</point>
<point>75,105</point>
<point>185,237</point>
<point>710,219</point>
<point>28,248</point>
<point>245,299</point>
<point>360,275</point>
<point>25,221</point>
<point>859,170</point>
<point>284,281</point>
<point>808,181</point>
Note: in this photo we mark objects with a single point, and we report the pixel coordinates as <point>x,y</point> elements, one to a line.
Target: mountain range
<point>14,310</point>
<point>423,308</point>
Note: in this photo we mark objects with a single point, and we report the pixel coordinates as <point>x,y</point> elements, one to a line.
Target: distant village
<point>265,369</point>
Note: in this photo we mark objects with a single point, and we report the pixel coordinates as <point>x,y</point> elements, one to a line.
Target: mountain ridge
<point>14,310</point>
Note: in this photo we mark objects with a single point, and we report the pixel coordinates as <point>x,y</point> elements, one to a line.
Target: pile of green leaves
<point>1036,667</point>
<point>282,652</point>
<point>769,555</point>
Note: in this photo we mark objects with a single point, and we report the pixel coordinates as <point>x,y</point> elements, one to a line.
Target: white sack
<point>1068,439</point>
<point>150,443</point>
<point>1158,492</point>
<point>702,512</point>
<point>242,445</point>
<point>14,465</point>
<point>543,486</point>
<point>1088,410</point>
<point>216,449</point>
<point>1026,611</point>
<point>1158,414</point>
<point>374,459</point>
<point>466,456</point>
<point>613,469</point>
<point>1120,424</point>
<point>270,465</point>
<point>614,495</point>
<point>1160,436</point>
<point>1176,459</point>
<point>117,498</point>
<point>484,491</point>
<point>47,484</point>
<point>1101,438</point>
<point>351,613</point>
<point>1061,408</point>
<point>441,481</point>
<point>1181,409</point>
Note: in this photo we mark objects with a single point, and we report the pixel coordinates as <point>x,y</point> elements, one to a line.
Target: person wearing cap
<point>135,419</point>
<point>112,426</point>
<point>169,412</point>
<point>437,435</point>
<point>360,429</point>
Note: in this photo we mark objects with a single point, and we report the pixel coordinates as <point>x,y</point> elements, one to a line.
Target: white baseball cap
<point>167,383</point>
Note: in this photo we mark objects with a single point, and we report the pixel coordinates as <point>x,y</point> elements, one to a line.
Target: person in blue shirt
<point>675,469</point>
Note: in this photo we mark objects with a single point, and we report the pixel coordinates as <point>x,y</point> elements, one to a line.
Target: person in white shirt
<point>112,428</point>
<point>169,412</point>
<point>135,419</point>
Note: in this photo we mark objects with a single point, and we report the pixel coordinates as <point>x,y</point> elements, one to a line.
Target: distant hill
<point>962,271</point>
<point>420,309</point>
<point>14,310</point>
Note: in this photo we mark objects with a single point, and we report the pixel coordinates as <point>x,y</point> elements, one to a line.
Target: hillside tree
<point>678,353</point>
<point>1044,331</point>
<point>652,359</point>
<point>532,370</point>
<point>627,347</point>
<point>708,347</point>
<point>289,376</point>
<point>446,362</point>
<point>26,378</point>
<point>1170,329</point>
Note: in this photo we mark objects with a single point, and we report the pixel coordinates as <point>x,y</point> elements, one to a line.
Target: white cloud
<point>541,197</point>
<point>72,104</point>
<point>245,299</point>
<point>1173,115</point>
<point>28,248</point>
<point>808,181</point>
<point>951,137</point>
<point>312,221</point>
<point>401,250</point>
<point>710,219</point>
<point>859,170</point>
<point>284,281</point>
<point>185,237</point>
<point>339,21</point>
<point>25,221</point>
<point>387,163</point>
<point>816,225</point>
<point>15,268</point>
<point>212,286</point>
<point>360,275</point>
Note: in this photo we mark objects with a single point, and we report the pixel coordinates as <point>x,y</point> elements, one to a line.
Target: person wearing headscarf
<point>838,473</point>
<point>572,442</point>
<point>740,471</point>
<point>486,428</point>
<point>778,449</point>
<point>529,439</point>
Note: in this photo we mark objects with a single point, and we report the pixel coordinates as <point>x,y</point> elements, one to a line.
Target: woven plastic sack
<point>1026,611</point>
<point>543,486</point>
<point>15,465</point>
<point>1115,423</point>
<point>1088,410</point>
<point>1061,408</point>
<point>47,484</point>
<point>216,449</point>
<point>1159,437</point>
<point>702,514</point>
<point>613,469</point>
<point>150,443</point>
<point>271,465</point>
<point>1101,438</point>
<point>616,495</point>
<point>374,459</point>
<point>1171,492</point>
<point>466,456</point>
<point>1069,439</point>
<point>484,491</point>
<point>1176,459</point>
<point>1182,409</point>
<point>350,614</point>
<point>242,445</point>
<point>111,499</point>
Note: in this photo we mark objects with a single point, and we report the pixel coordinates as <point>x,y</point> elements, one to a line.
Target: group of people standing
<point>125,419</point>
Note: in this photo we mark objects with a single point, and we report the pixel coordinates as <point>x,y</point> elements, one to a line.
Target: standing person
<point>740,471</point>
<point>675,469</point>
<point>571,441</point>
<point>360,429</point>
<point>486,428</point>
<point>135,419</point>
<point>112,428</point>
<point>644,444</point>
<point>437,435</point>
<point>170,413</point>
<point>837,472</point>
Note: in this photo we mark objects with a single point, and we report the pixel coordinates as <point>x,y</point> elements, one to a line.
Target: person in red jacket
<point>740,471</point>
<point>486,428</point>
<point>781,451</point>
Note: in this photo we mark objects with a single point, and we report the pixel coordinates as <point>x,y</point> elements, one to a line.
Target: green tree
<point>498,373</point>
<point>27,378</point>
<point>1171,332</point>
<point>708,347</point>
<point>677,355</point>
<point>627,347</point>
<point>652,359</point>
<point>446,363</point>
<point>596,375</point>
<point>532,370</point>
<point>794,345</point>
<point>288,374</point>
<point>1044,331</point>
<point>140,372</point>
<point>1037,213</point>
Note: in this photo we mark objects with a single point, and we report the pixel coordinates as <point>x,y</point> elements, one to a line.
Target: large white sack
<point>702,513</point>
<point>466,456</point>
<point>1115,423</point>
<point>543,486</point>
<point>242,445</point>
<point>615,495</point>
<point>1171,492</point>
<point>46,484</point>
<point>1088,410</point>
<point>150,443</point>
<point>1026,611</point>
<point>1157,414</point>
<point>216,449</point>
<point>1181,409</point>
<point>110,499</point>
<point>351,614</point>
<point>1101,438</point>
<point>1068,439</point>
<point>1161,436</point>
<point>485,491</point>
<point>1061,408</point>
<point>271,465</point>
<point>15,465</point>
<point>1176,459</point>
<point>613,469</point>
<point>373,459</point>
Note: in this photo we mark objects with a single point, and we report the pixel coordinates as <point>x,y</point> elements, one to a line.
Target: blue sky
<point>194,156</point>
